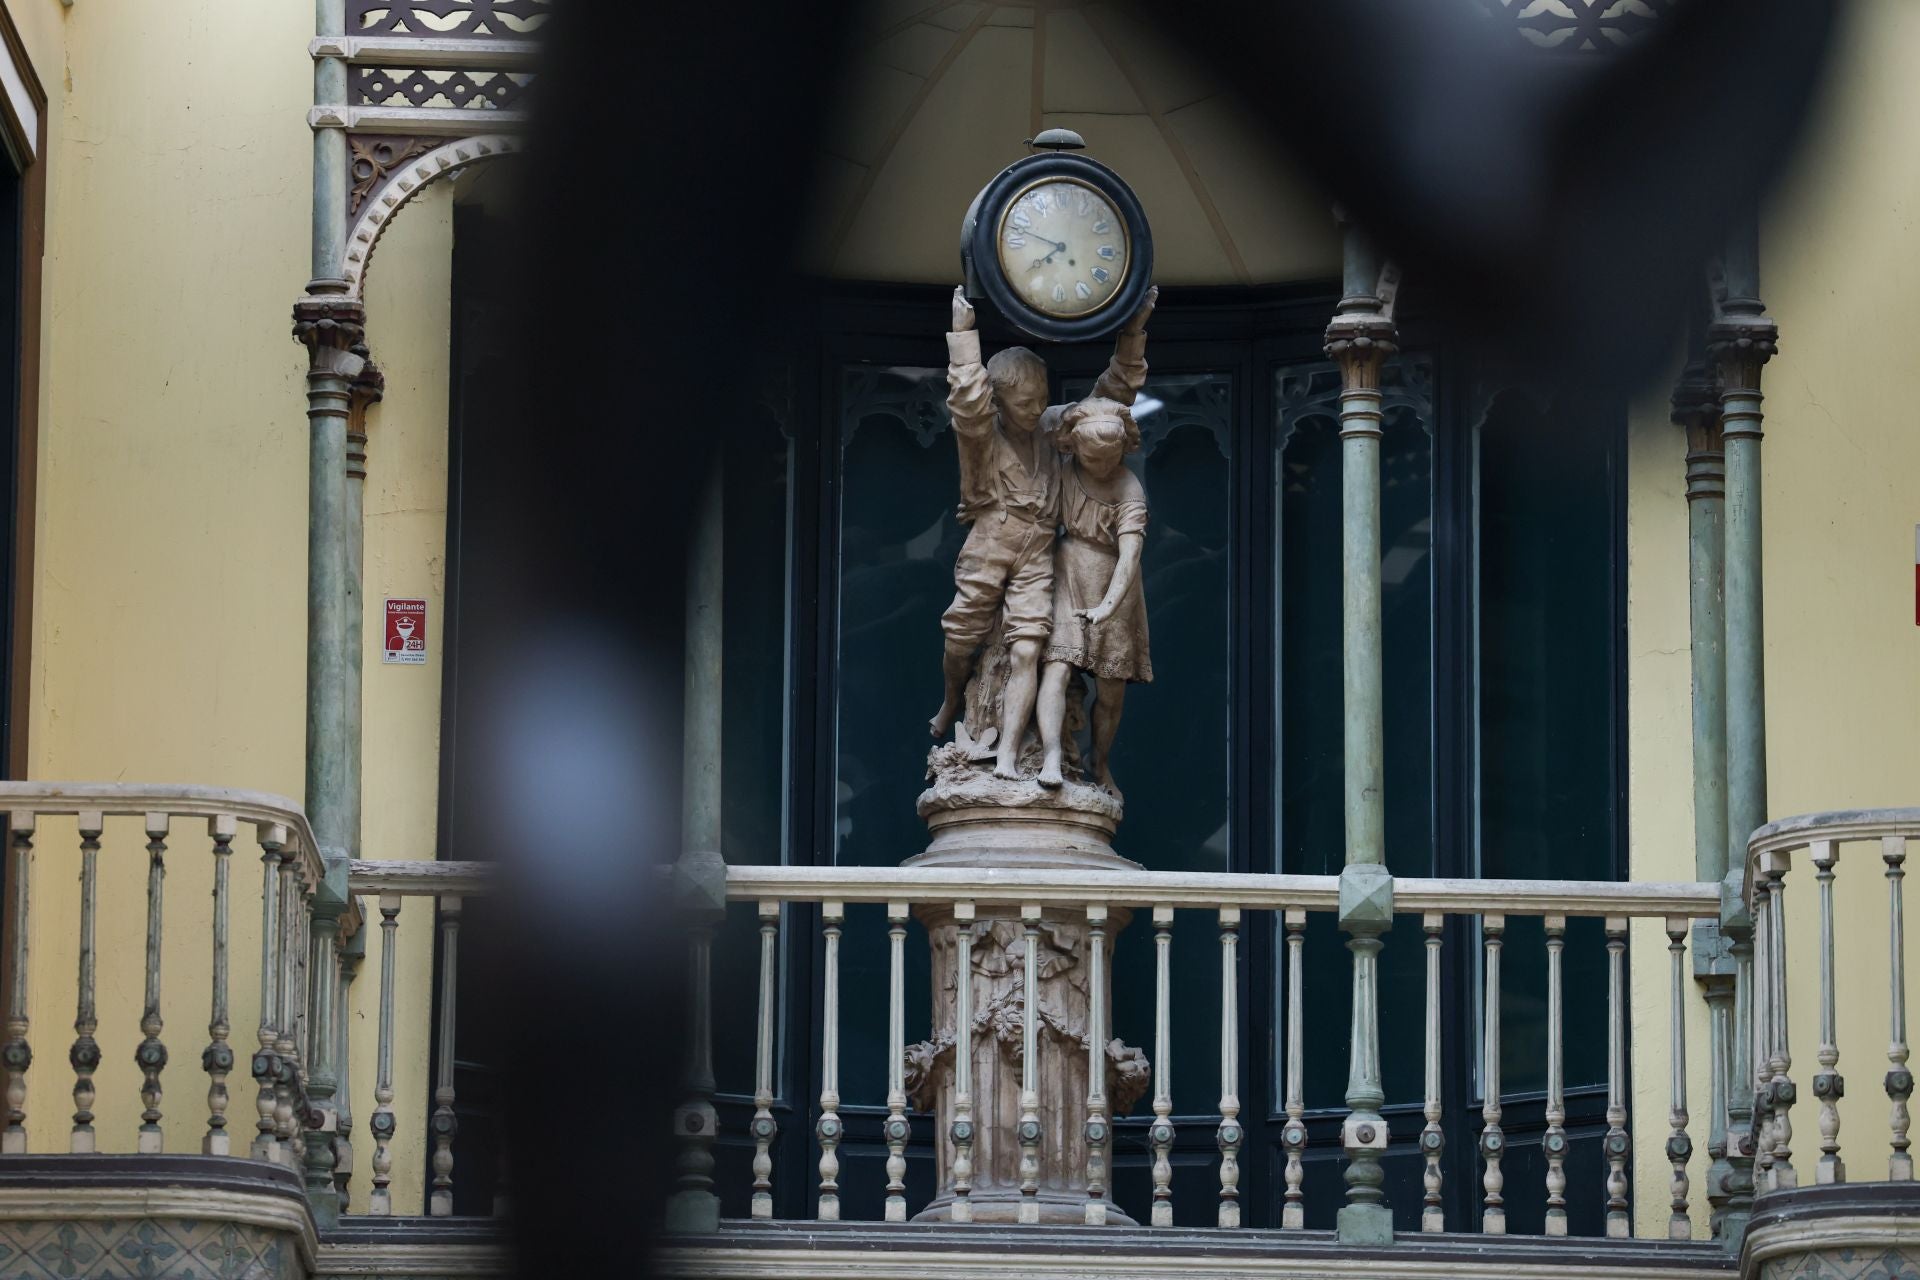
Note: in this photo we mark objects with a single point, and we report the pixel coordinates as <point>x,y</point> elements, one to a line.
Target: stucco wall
<point>1841,274</point>
<point>169,601</point>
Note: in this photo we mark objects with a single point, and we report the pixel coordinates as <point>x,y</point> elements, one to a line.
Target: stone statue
<point>1023,591</point>
<point>1010,474</point>
<point>1099,610</point>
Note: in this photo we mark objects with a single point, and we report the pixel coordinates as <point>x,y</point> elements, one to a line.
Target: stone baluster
<point>1893,851</point>
<point>898,1130</point>
<point>151,1055</point>
<point>445,1126</point>
<point>1293,1135</point>
<point>961,1133</point>
<point>827,1129</point>
<point>1829,1086</point>
<point>1029,1135</point>
<point>1780,1087</point>
<point>16,1055</point>
<point>764,1126</point>
<point>1230,1134</point>
<point>1554,1141</point>
<point>1741,1120</point>
<point>1160,1133</point>
<point>85,1054</point>
<point>217,1058</point>
<point>1493,1142</point>
<point>352,952</point>
<point>322,1114</point>
<point>1099,1125</point>
<point>286,1045</point>
<point>1617,1143</point>
<point>1432,1140</point>
<point>1759,1080</point>
<point>381,1123</point>
<point>265,1066</point>
<point>1679,1145</point>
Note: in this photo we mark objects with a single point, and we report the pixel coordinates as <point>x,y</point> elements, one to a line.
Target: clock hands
<point>1058,247</point>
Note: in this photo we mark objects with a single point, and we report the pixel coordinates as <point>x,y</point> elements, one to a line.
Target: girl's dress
<point>1083,564</point>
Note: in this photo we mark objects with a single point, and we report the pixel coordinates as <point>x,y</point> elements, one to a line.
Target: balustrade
<point>1482,908</point>
<point>1771,1088</point>
<point>310,948</point>
<point>446,885</point>
<point>311,944</point>
<point>288,1059</point>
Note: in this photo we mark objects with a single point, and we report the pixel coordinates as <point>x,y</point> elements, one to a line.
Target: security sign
<point>406,632</point>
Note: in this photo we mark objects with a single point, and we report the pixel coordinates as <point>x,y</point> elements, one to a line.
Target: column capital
<point>1695,402</point>
<point>330,322</point>
<point>367,389</point>
<point>1696,409</point>
<point>1739,343</point>
<point>1359,340</point>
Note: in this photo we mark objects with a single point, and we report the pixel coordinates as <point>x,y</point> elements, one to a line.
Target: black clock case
<point>981,261</point>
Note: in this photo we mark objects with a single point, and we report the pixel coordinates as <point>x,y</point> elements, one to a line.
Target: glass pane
<point>753,721</point>
<point>1546,775</point>
<point>1308,657</point>
<point>899,478</point>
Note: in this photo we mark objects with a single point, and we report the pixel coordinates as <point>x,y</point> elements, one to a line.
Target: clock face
<point>1062,248</point>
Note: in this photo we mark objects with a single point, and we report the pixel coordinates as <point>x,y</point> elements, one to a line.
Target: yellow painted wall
<point>1841,274</point>
<point>170,592</point>
<point>408,308</point>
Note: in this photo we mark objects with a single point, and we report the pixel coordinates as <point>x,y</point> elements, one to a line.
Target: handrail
<point>1214,889</point>
<point>1838,825</point>
<point>420,878</point>
<point>179,800</point>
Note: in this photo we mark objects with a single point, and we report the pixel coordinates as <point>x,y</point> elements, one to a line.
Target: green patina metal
<point>1359,339</point>
<point>1740,341</point>
<point>700,874</point>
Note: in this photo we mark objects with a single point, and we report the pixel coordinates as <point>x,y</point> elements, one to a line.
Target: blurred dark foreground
<point>1561,212</point>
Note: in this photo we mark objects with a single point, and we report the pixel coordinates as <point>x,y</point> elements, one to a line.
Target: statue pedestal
<point>978,821</point>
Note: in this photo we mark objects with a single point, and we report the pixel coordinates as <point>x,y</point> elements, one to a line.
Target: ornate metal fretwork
<point>467,90</point>
<point>501,19</point>
<point>374,160</point>
<point>1576,26</point>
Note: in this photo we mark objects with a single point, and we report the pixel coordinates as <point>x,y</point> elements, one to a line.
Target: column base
<point>1365,1224</point>
<point>693,1213</point>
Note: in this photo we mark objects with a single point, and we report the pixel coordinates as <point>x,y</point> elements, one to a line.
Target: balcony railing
<point>1819,839</point>
<point>314,921</point>
<point>1483,907</point>
<point>317,926</point>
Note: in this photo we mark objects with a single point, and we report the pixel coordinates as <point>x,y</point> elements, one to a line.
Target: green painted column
<point>332,326</point>
<point>363,393</point>
<point>1359,339</point>
<point>1696,409</point>
<point>1740,341</point>
<point>700,874</point>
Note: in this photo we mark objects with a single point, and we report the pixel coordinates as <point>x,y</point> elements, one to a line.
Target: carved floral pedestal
<point>978,821</point>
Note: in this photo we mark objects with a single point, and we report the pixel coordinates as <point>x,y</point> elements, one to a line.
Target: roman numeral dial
<point>1062,248</point>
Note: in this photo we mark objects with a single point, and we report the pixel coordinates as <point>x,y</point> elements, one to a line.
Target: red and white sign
<point>406,633</point>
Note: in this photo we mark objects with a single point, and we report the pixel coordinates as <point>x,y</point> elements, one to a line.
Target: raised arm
<point>1127,371</point>
<point>969,395</point>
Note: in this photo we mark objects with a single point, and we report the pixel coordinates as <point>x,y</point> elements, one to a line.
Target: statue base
<point>978,821</point>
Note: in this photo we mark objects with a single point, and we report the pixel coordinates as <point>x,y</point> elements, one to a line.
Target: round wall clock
<point>1058,243</point>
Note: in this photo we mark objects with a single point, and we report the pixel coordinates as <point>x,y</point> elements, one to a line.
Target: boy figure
<point>1010,495</point>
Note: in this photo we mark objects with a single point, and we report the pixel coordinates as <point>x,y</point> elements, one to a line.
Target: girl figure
<point>1099,611</point>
